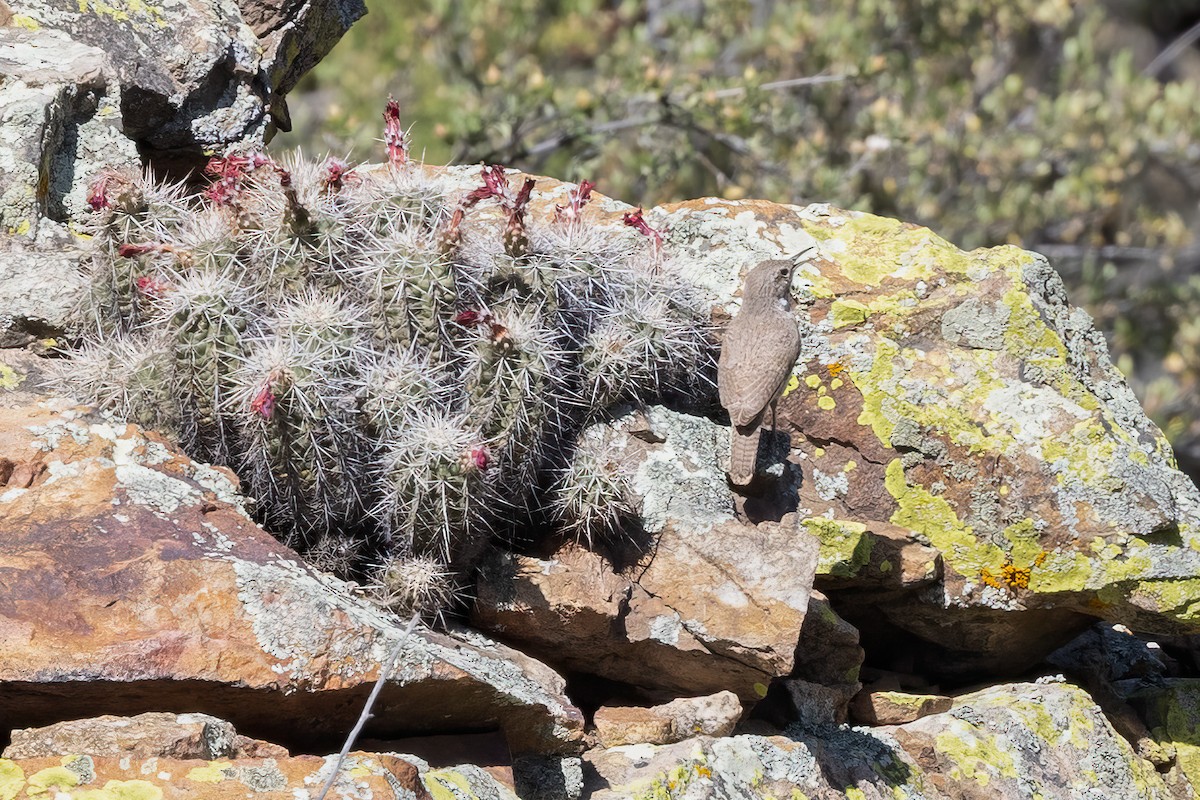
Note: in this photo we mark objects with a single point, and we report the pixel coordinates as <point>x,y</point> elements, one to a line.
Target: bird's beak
<point>803,255</point>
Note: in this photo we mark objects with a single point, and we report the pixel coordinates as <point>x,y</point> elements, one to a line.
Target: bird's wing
<point>754,367</point>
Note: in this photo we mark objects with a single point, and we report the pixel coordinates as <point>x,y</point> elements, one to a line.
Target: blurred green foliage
<point>991,121</point>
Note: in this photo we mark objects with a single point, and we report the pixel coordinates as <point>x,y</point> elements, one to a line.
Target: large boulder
<point>1008,742</point>
<point>134,581</point>
<point>957,401</point>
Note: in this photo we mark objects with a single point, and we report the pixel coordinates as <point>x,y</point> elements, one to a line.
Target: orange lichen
<point>1011,576</point>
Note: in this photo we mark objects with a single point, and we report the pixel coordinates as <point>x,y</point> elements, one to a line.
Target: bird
<point>759,350</point>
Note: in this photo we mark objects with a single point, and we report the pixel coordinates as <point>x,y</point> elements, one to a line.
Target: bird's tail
<point>743,453</point>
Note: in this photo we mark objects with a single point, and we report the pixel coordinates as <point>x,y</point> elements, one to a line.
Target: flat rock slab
<point>683,718</point>
<point>1010,742</point>
<point>153,734</point>
<point>135,582</point>
<point>379,776</point>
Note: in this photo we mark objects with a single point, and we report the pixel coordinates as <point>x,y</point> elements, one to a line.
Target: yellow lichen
<point>9,378</point>
<point>121,790</point>
<point>56,778</point>
<point>12,779</point>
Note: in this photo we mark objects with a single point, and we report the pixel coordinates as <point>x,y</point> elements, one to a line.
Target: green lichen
<point>125,11</point>
<point>215,772</point>
<point>848,312</point>
<point>877,248</point>
<point>930,515</point>
<point>845,546</point>
<point>1178,598</point>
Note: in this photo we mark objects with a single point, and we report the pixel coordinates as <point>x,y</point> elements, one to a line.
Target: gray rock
<point>61,123</point>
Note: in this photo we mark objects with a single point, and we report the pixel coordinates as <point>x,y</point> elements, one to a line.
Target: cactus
<point>434,484</point>
<point>204,316</point>
<point>593,498</point>
<point>415,584</point>
<point>379,354</point>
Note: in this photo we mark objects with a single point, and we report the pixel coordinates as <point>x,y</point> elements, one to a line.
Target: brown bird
<point>758,353</point>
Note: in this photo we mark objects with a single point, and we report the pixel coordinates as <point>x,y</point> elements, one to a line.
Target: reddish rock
<point>896,708</point>
<point>384,777</point>
<point>135,582</point>
<point>714,715</point>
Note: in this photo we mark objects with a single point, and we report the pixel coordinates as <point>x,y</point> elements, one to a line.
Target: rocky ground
<point>971,568</point>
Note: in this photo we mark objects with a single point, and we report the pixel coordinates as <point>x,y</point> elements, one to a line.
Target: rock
<point>717,604</point>
<point>1106,653</point>
<point>896,708</point>
<point>1024,740</point>
<point>715,715</point>
<point>1170,709</point>
<point>548,777</point>
<point>828,660</point>
<point>201,77</point>
<point>381,776</point>
<point>39,290</point>
<point>135,582</point>
<point>61,123</point>
<point>150,735</point>
<point>739,767</point>
<point>987,409</point>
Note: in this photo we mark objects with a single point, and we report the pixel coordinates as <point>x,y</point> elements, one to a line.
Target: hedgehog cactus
<point>373,359</point>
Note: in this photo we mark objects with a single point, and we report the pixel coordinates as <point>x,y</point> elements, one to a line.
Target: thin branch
<point>385,672</point>
<point>1172,51</point>
<point>774,86</point>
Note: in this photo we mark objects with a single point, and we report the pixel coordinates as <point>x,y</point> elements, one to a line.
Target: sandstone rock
<point>1028,740</point>
<point>715,715</point>
<point>149,735</point>
<point>134,581</point>
<point>896,708</point>
<point>381,776</point>
<point>717,604</point>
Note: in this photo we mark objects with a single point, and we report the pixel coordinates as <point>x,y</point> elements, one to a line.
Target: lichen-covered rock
<point>1171,711</point>
<point>200,76</point>
<point>134,581</point>
<point>714,604</point>
<point>153,734</point>
<point>838,764</point>
<point>959,398</point>
<point>1028,740</point>
<point>374,775</point>
<point>61,123</point>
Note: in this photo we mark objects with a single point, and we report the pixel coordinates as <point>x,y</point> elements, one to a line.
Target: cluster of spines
<point>368,356</point>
